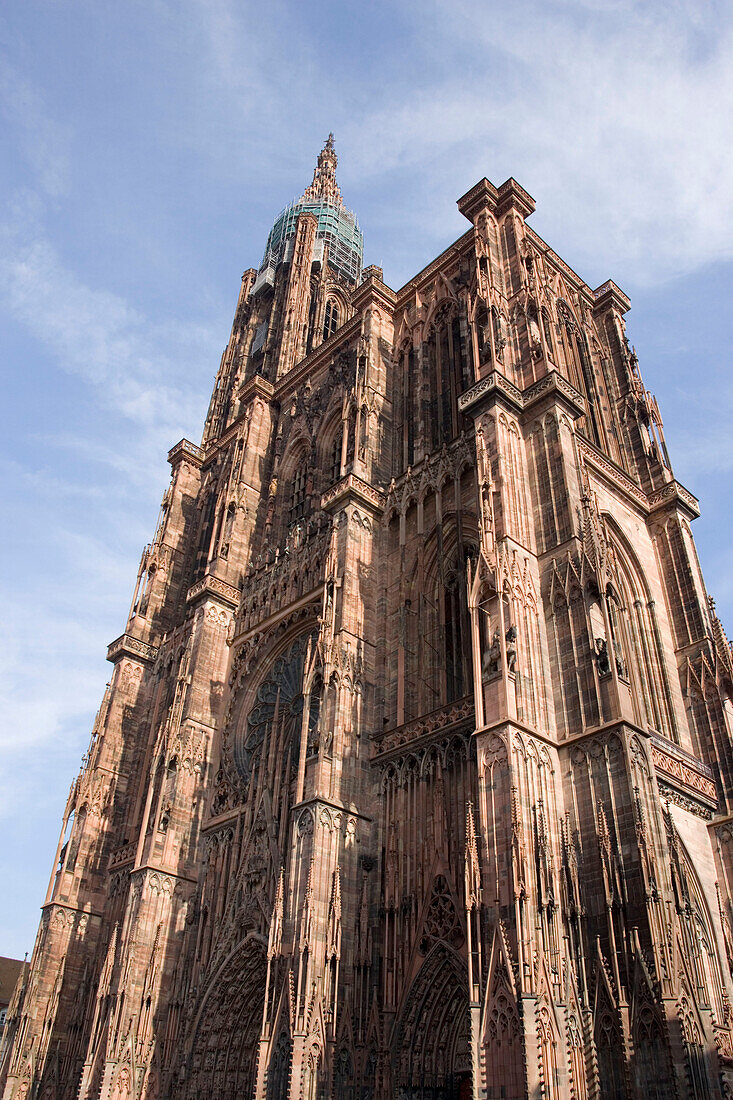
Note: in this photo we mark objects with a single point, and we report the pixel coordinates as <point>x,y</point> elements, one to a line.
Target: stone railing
<point>428,725</point>
<point>127,645</point>
<point>292,572</point>
<point>683,771</point>
<point>215,588</point>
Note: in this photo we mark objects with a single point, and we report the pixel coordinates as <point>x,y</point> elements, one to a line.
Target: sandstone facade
<point>414,776</point>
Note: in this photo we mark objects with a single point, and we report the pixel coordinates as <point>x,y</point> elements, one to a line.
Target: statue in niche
<point>511,648</point>
<point>492,657</point>
<point>620,663</point>
<point>603,661</point>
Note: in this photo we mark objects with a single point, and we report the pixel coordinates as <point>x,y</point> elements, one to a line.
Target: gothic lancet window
<point>447,370</point>
<point>652,1062</point>
<point>296,509</point>
<point>547,332</point>
<point>331,318</point>
<point>278,1074</point>
<point>335,459</point>
<point>610,1059</point>
<point>453,640</point>
<point>206,530</point>
<point>343,1078</point>
<point>499,341</point>
<point>228,529</point>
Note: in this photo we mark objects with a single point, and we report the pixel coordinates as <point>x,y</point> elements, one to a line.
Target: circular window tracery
<point>278,709</point>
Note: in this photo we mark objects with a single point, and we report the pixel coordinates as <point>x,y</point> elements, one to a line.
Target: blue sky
<point>147,147</point>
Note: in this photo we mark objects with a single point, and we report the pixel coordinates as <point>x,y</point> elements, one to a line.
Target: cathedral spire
<point>324,185</point>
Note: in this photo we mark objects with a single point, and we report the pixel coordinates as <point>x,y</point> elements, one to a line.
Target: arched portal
<point>224,1052</point>
<point>432,1049</point>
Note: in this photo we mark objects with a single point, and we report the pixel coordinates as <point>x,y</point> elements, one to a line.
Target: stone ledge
<point>683,771</point>
<point>493,384</point>
<point>185,450</point>
<point>256,386</point>
<point>602,464</point>
<point>216,589</point>
<point>553,384</point>
<point>416,731</point>
<point>353,487</point>
<point>608,295</point>
<point>127,646</point>
<point>122,856</point>
<point>674,495</point>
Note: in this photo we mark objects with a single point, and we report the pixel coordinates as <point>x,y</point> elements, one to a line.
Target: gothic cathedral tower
<point>414,776</point>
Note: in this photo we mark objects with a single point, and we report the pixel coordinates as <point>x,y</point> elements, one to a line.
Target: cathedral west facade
<point>414,776</point>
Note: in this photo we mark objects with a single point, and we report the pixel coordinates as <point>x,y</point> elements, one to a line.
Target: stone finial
<point>324,185</point>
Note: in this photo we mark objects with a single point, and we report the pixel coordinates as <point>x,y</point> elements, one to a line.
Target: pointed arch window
<point>335,466</point>
<point>279,1071</point>
<point>453,640</point>
<point>331,318</point>
<point>298,493</point>
<point>547,332</point>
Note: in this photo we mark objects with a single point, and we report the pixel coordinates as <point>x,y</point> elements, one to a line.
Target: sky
<point>146,148</point>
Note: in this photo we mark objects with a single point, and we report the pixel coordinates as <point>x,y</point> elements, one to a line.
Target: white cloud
<point>43,139</point>
<point>615,114</point>
<point>619,126</point>
<point>142,369</point>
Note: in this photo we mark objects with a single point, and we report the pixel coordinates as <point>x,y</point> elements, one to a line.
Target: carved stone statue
<point>620,663</point>
<point>511,648</point>
<point>603,661</point>
<point>492,657</point>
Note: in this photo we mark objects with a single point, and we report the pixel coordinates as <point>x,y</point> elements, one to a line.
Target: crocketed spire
<point>324,185</point>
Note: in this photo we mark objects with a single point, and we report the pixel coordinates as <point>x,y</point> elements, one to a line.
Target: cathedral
<point>414,775</point>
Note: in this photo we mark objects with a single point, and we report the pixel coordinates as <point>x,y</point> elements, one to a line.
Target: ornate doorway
<point>224,1052</point>
<point>432,1050</point>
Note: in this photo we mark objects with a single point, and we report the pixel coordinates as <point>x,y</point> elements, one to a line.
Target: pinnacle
<point>324,185</point>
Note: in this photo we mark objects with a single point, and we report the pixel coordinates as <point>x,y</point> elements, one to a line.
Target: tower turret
<point>299,296</point>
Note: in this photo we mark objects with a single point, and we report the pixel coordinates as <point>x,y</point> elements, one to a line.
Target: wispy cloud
<point>615,115</point>
<point>142,368</point>
<point>44,140</point>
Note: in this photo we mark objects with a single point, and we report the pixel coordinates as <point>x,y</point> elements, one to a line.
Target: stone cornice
<point>602,464</point>
<point>318,358</point>
<point>674,495</point>
<point>186,451</point>
<point>555,385</point>
<point>482,196</point>
<point>610,296</point>
<point>315,800</point>
<point>512,196</point>
<point>405,293</point>
<point>127,646</point>
<point>352,487</point>
<point>493,385</point>
<point>682,770</point>
<point>373,289</point>
<point>436,723</point>
<point>552,385</point>
<point>122,856</point>
<point>82,911</point>
<point>271,621</point>
<point>214,588</point>
<point>256,386</point>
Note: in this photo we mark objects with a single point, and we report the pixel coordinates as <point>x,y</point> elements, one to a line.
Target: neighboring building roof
<point>9,972</point>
